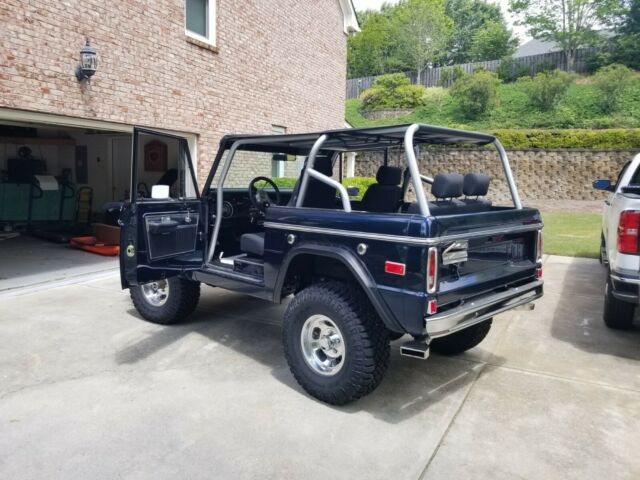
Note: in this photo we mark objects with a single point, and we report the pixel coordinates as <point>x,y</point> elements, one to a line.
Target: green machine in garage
<point>55,210</point>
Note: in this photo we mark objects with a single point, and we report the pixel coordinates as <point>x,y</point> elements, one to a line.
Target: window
<point>200,20</point>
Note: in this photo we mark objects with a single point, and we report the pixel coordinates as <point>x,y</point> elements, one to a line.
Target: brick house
<point>201,68</point>
<point>198,69</point>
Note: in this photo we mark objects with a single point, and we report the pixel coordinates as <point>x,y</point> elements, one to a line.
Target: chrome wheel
<point>322,344</point>
<point>156,293</point>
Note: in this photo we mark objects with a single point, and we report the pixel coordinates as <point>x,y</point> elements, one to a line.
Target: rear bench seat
<point>447,188</point>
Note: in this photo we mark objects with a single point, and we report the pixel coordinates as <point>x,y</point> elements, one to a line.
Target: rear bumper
<point>626,286</point>
<point>480,309</point>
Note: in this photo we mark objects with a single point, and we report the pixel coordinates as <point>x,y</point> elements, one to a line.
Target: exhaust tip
<point>415,349</point>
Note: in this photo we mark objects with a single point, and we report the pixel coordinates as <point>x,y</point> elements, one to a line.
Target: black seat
<point>384,196</point>
<point>446,187</point>
<point>252,243</point>
<point>319,195</point>
<point>476,185</point>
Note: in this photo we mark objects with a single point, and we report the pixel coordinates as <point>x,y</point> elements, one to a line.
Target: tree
<point>421,30</point>
<point>469,17</point>
<point>368,52</point>
<point>626,43</point>
<point>492,41</point>
<point>569,23</point>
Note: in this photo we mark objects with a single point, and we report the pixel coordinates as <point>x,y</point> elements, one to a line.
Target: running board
<point>415,349</point>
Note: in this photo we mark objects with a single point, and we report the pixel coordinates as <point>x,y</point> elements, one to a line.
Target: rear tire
<point>166,301</point>
<point>335,344</point>
<point>618,314</point>
<point>461,341</point>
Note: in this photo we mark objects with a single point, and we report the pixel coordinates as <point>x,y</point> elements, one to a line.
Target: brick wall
<point>539,174</point>
<point>276,63</point>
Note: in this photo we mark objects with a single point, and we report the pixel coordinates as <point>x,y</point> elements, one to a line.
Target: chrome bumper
<point>483,308</point>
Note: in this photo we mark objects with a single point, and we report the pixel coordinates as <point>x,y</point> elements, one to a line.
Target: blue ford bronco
<point>275,220</point>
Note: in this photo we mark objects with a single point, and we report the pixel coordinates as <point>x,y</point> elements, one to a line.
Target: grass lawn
<point>572,234</point>
<point>578,109</point>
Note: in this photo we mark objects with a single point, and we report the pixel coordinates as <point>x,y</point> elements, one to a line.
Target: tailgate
<point>488,251</point>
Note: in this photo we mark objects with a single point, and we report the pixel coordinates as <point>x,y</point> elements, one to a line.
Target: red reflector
<point>394,268</point>
<point>539,273</point>
<point>628,232</point>
<point>432,307</point>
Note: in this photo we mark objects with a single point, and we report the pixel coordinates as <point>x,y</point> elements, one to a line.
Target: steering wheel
<point>259,197</point>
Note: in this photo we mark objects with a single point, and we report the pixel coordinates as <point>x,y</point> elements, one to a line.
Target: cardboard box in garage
<point>107,234</point>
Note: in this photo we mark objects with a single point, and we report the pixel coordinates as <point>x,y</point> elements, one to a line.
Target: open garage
<point>62,182</point>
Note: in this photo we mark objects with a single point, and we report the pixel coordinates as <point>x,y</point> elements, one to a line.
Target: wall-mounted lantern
<point>88,62</point>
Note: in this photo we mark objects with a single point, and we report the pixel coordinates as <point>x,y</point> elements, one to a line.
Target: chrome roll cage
<point>309,171</point>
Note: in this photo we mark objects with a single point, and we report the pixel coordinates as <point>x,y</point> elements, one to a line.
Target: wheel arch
<point>352,264</point>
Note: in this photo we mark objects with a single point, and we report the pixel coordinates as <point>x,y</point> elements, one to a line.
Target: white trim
<point>350,18</point>
<point>210,39</point>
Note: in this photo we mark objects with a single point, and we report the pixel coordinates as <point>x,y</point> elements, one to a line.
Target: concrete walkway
<point>88,390</point>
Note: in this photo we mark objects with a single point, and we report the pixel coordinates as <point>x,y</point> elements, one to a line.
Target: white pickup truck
<point>620,245</point>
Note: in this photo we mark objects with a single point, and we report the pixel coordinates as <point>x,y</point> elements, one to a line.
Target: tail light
<point>432,269</point>
<point>628,231</point>
<point>539,250</point>
<point>539,246</point>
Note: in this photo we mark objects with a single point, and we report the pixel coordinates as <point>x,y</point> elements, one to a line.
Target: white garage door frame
<point>13,115</point>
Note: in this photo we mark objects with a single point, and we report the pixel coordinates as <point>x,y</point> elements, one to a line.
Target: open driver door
<point>163,222</point>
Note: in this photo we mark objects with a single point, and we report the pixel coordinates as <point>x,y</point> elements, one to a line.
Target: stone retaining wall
<point>539,174</point>
<point>386,113</point>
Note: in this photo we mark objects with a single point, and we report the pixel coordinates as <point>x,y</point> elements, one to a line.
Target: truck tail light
<point>628,231</point>
<point>432,269</point>
<point>539,246</point>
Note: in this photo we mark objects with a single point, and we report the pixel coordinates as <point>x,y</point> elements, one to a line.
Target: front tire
<point>166,301</point>
<point>461,341</point>
<point>335,344</point>
<point>617,315</point>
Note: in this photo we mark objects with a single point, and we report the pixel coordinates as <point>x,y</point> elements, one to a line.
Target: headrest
<point>323,165</point>
<point>475,184</point>
<point>389,175</point>
<point>446,185</point>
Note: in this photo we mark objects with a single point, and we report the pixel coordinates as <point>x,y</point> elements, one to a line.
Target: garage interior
<point>58,183</point>
<point>61,189</point>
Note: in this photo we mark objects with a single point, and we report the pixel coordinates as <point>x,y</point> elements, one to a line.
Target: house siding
<point>275,63</point>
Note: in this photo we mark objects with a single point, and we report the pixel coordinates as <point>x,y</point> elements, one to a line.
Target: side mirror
<point>160,192</point>
<point>353,191</point>
<point>603,184</point>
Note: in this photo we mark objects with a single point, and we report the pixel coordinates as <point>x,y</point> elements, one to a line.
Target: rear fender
<point>354,265</point>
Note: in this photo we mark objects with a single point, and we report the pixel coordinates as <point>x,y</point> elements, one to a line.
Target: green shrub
<point>435,97</point>
<point>362,183</point>
<point>545,90</point>
<point>476,93</point>
<point>510,70</point>
<point>612,82</point>
<point>597,60</point>
<point>449,75</point>
<point>618,138</point>
<point>283,182</point>
<point>392,91</point>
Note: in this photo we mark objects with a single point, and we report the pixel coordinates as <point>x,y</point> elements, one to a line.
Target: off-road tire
<point>461,341</point>
<point>181,301</point>
<point>393,336</point>
<point>617,314</point>
<point>365,336</point>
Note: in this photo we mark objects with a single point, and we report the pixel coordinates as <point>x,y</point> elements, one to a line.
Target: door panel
<point>161,237</point>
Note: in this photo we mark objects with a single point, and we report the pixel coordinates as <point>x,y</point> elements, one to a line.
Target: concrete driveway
<point>90,391</point>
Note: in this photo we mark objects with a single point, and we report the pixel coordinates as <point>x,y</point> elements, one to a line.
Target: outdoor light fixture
<point>88,62</point>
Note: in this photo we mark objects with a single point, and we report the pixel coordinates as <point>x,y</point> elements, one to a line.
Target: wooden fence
<point>432,77</point>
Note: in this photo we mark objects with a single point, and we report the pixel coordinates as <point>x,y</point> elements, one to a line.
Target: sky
<point>375,4</point>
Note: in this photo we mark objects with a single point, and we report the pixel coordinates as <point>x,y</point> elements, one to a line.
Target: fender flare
<point>355,266</point>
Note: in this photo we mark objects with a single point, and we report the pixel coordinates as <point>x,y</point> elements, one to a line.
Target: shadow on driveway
<point>251,327</point>
<point>577,289</point>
